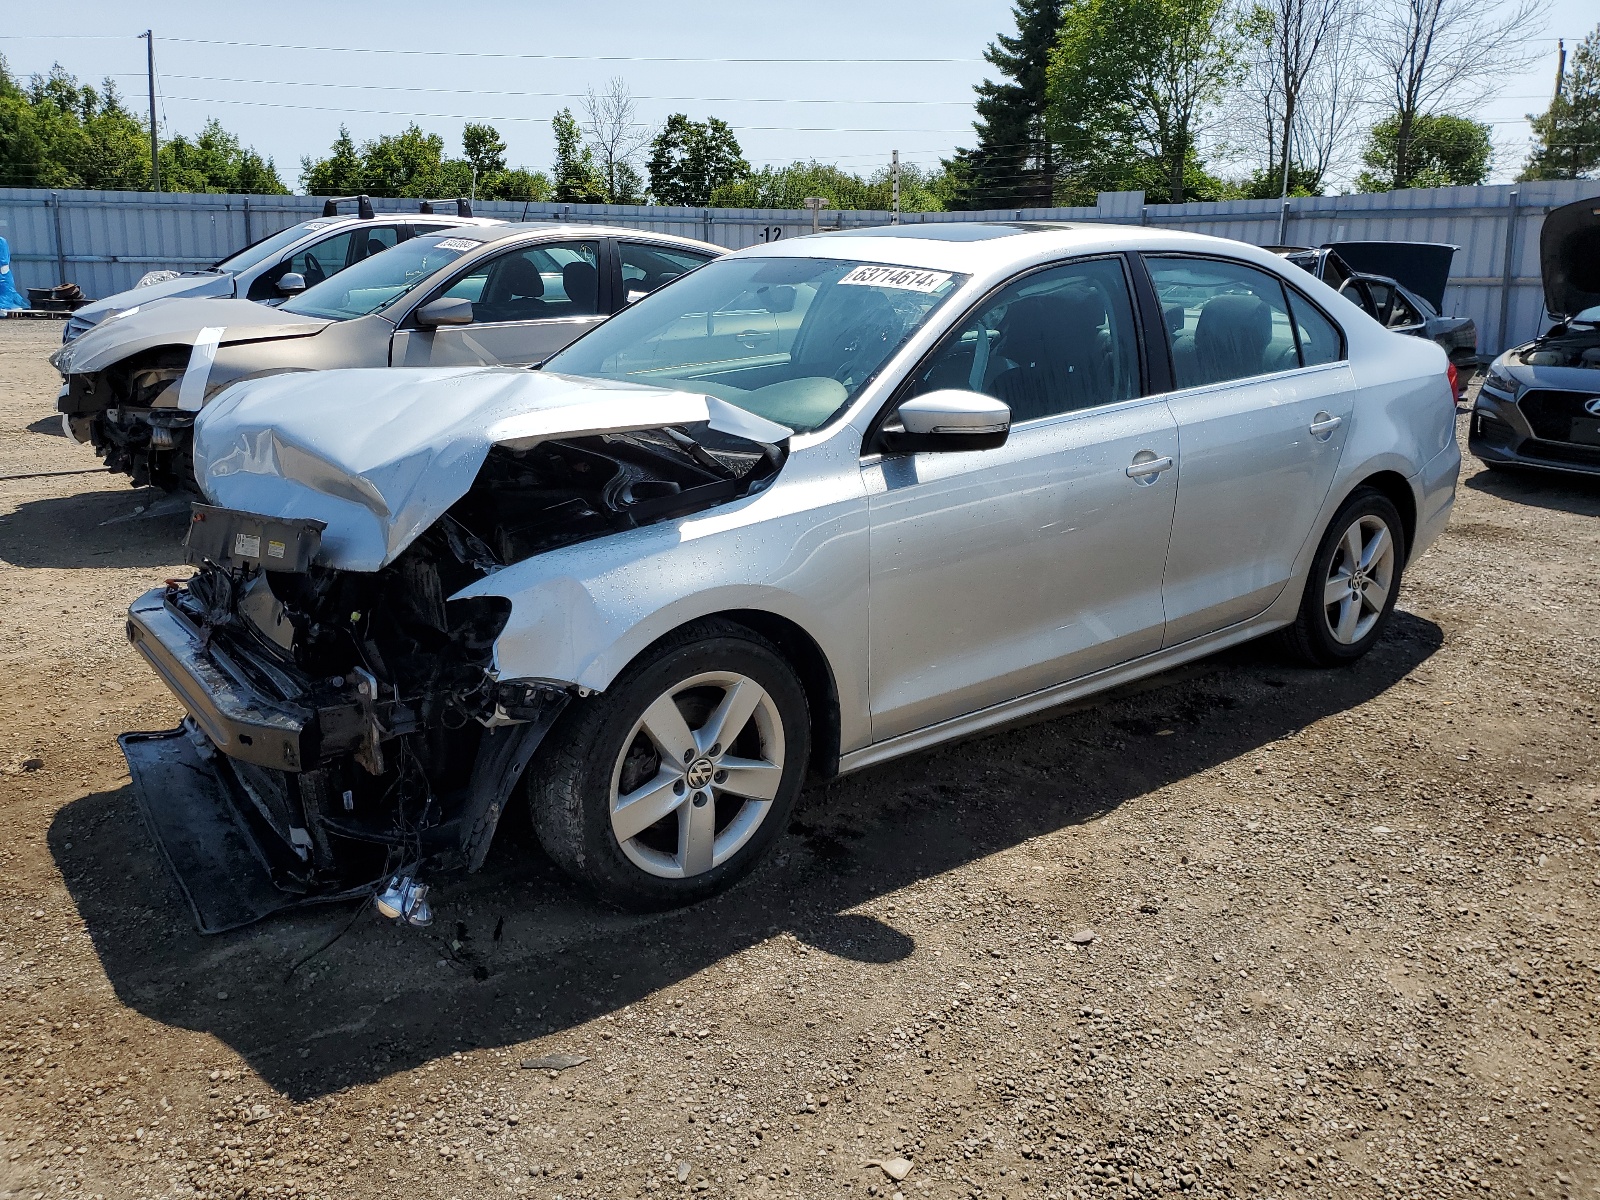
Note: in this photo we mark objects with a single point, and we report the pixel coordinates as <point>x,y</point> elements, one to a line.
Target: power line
<point>387,87</point>
<point>384,112</point>
<point>638,58</point>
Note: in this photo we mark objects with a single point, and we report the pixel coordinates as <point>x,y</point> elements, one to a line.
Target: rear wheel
<point>672,783</point>
<point>1353,584</point>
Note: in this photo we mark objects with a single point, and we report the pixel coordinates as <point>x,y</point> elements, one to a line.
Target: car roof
<point>507,231</point>
<point>985,247</point>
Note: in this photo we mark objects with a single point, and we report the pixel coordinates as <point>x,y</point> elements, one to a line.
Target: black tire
<point>1312,639</point>
<point>571,781</point>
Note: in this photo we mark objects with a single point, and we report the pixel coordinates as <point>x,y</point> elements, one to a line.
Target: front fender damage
<point>408,746</point>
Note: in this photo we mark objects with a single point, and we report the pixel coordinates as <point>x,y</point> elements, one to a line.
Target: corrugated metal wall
<point>103,241</point>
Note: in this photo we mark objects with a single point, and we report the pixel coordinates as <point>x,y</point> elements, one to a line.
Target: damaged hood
<point>1569,258</point>
<point>380,454</point>
<point>177,322</point>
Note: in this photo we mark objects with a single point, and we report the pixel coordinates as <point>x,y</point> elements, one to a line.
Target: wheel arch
<point>1396,489</point>
<point>802,652</point>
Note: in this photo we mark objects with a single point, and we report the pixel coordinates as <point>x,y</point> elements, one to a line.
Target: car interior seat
<point>1058,354</point>
<point>374,246</point>
<point>1229,342</point>
<point>514,291</point>
<point>581,281</point>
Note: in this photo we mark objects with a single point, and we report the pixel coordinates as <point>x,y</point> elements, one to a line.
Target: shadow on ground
<point>1542,489</point>
<point>48,425</point>
<point>72,531</point>
<point>381,1000</point>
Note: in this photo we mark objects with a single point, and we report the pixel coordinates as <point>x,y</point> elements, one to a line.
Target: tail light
<point>1454,377</point>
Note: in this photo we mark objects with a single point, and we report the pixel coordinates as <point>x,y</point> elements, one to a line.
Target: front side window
<point>537,283</point>
<point>1059,340</point>
<point>381,279</point>
<point>323,259</point>
<point>259,252</point>
<point>645,268</point>
<point>794,340</point>
<point>1224,320</point>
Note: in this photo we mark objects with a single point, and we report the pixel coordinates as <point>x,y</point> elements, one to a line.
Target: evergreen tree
<point>1569,130</point>
<point>340,174</point>
<point>1014,164</point>
<point>576,179</point>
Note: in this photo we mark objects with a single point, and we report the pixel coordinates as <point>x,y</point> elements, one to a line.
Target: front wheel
<point>672,783</point>
<point>1353,584</point>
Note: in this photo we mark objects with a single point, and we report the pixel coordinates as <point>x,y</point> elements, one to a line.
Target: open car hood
<point>1569,258</point>
<point>1424,267</point>
<point>178,322</point>
<point>380,454</point>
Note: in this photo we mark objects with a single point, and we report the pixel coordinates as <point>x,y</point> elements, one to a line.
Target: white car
<point>275,267</point>
<point>812,506</point>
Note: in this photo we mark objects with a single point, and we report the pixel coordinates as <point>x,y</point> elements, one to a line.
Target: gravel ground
<point>1243,930</point>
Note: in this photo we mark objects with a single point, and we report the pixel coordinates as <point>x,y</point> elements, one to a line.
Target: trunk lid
<point>1424,267</point>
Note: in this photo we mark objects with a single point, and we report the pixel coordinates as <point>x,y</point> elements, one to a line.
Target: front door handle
<point>1323,424</point>
<point>1145,469</point>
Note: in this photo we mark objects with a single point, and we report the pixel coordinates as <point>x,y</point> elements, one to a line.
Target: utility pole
<point>1561,65</point>
<point>1283,199</point>
<point>895,173</point>
<point>150,68</point>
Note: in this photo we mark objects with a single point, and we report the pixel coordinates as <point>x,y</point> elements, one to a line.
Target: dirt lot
<point>1344,932</point>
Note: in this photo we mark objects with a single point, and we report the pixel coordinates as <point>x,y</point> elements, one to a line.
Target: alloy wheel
<point>697,775</point>
<point>1359,579</point>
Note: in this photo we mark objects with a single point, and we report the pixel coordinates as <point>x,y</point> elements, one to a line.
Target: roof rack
<point>463,206</point>
<point>330,206</point>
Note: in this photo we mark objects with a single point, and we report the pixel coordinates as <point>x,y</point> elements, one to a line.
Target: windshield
<point>267,247</point>
<point>790,339</point>
<point>373,282</point>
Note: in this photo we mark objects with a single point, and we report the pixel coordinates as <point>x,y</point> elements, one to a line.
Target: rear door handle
<point>1325,423</point>
<point>1149,468</point>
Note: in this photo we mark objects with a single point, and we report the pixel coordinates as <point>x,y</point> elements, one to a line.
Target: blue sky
<point>291,101</point>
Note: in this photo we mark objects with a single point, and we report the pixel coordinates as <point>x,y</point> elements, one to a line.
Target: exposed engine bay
<point>355,719</point>
<point>1567,344</point>
<point>129,414</point>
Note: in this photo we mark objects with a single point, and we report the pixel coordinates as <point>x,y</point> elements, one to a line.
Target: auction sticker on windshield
<point>908,279</point>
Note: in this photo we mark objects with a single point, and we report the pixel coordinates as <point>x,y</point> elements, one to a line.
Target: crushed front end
<point>129,414</point>
<point>348,728</point>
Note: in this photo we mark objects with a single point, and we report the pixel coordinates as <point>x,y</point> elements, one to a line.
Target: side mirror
<point>292,284</point>
<point>447,310</point>
<point>949,419</point>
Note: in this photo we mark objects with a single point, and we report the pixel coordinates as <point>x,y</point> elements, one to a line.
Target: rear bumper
<point>1436,483</point>
<point>237,717</point>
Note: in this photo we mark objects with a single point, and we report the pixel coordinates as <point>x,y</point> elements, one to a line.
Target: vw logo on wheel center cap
<point>700,772</point>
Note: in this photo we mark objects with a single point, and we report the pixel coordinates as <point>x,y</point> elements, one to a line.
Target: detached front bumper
<point>239,719</point>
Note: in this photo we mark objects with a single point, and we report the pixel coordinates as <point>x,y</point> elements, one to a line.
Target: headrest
<point>581,282</point>
<point>516,278</point>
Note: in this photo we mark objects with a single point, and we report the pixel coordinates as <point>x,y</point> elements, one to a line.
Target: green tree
<point>1568,132</point>
<point>1131,83</point>
<point>690,160</point>
<point>788,187</point>
<point>340,174</point>
<point>1014,163</point>
<point>1443,150</point>
<point>483,148</point>
<point>517,184</point>
<point>214,161</point>
<point>576,180</point>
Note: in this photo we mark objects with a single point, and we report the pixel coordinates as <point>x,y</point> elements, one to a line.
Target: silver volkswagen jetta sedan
<point>813,506</point>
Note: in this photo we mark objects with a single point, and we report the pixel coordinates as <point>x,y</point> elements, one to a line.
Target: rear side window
<point>1224,320</point>
<point>1320,339</point>
<point>645,268</point>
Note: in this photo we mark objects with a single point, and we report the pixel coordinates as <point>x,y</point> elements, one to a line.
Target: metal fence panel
<point>103,241</point>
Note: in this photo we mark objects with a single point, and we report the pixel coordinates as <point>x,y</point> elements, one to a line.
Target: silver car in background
<point>814,506</point>
<point>277,266</point>
<point>473,295</point>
